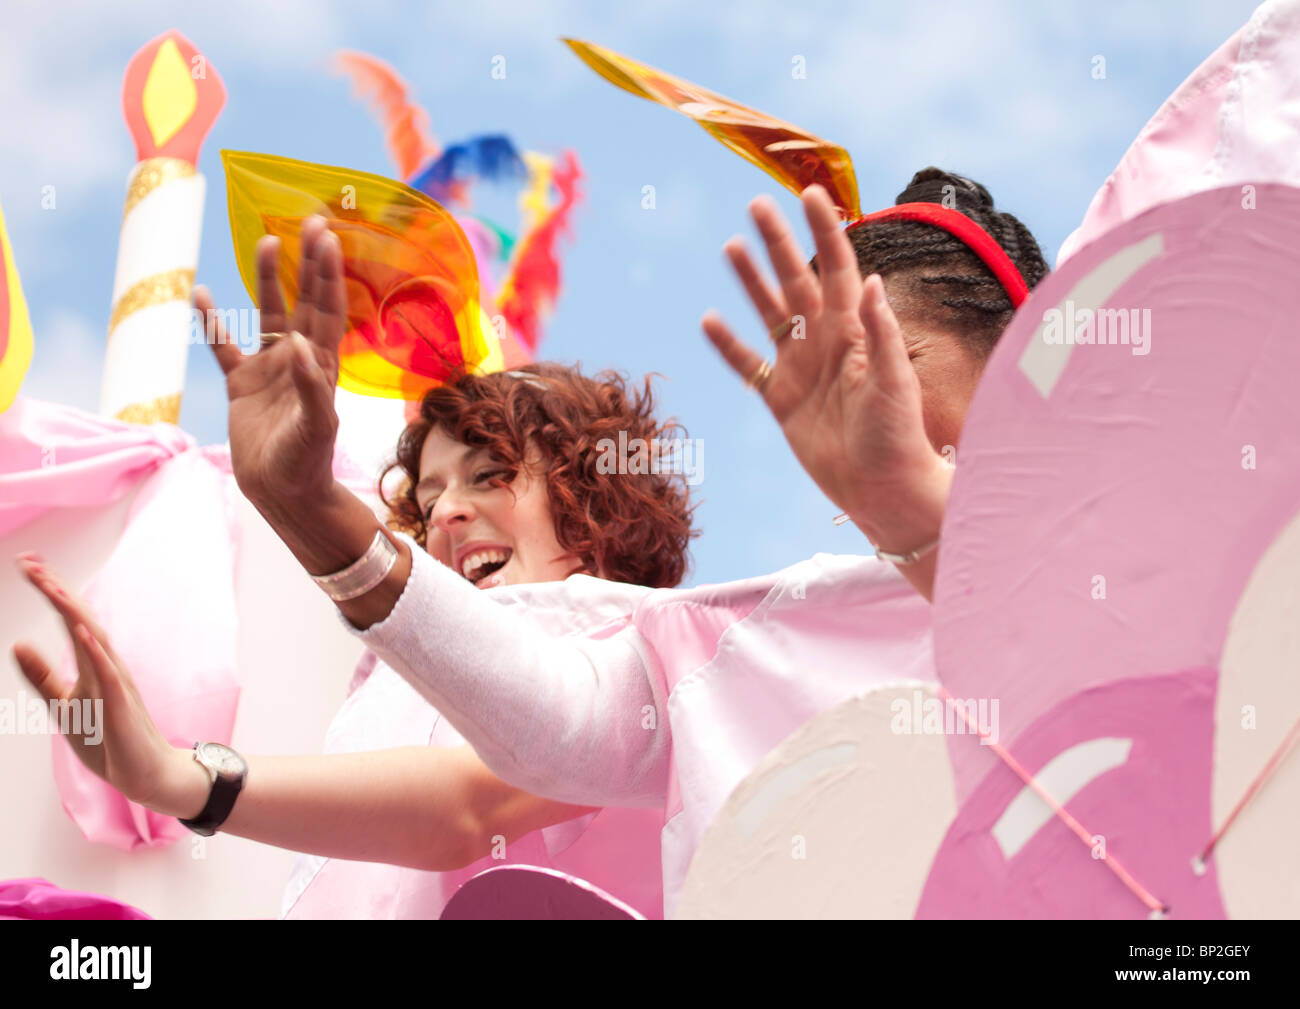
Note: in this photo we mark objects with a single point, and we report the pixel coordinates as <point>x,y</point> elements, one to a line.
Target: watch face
<point>221,759</point>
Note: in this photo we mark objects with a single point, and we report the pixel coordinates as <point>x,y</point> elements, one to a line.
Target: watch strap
<point>221,800</point>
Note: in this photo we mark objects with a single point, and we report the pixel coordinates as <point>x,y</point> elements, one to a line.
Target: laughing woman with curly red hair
<point>552,420</point>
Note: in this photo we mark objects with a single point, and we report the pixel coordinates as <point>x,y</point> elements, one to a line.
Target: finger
<point>837,265</point>
<point>70,608</point>
<point>47,583</point>
<point>270,295</point>
<point>331,296</point>
<point>304,309</point>
<point>886,349</point>
<point>111,678</point>
<point>744,360</point>
<point>315,390</point>
<point>38,673</point>
<point>215,336</point>
<point>769,305</point>
<point>800,287</point>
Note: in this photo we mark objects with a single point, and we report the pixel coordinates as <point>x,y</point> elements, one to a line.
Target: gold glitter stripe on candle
<point>174,285</point>
<point>152,173</point>
<point>166,408</point>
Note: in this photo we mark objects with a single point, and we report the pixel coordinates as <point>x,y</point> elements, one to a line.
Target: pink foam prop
<point>1235,120</point>
<point>1133,465</point>
<point>1153,813</point>
<point>532,893</point>
<point>1104,521</point>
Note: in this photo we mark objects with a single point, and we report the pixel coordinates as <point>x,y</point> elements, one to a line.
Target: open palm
<point>126,748</point>
<point>842,388</point>
<point>282,422</point>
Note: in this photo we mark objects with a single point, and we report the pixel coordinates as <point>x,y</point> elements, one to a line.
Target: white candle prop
<point>170,98</point>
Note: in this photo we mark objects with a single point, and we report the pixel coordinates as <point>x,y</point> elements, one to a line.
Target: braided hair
<point>934,274</point>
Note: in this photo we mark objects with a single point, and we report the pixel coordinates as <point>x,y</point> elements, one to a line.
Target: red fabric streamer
<point>534,283</point>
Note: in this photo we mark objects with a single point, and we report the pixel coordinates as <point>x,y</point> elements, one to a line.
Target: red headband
<point>976,238</point>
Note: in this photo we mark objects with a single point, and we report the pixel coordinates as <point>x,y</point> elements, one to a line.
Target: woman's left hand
<point>124,746</point>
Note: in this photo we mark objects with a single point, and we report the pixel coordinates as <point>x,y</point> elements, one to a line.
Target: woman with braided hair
<point>930,271</point>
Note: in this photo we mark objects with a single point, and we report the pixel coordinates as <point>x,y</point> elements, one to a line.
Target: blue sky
<point>999,91</point>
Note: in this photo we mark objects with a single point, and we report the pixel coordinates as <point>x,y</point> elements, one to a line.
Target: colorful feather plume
<point>491,157</point>
<point>533,285</point>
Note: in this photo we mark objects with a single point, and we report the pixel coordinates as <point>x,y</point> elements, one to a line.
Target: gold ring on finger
<point>779,333</point>
<point>760,377</point>
<point>271,338</point>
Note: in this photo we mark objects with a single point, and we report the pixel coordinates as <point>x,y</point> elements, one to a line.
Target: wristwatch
<point>228,772</point>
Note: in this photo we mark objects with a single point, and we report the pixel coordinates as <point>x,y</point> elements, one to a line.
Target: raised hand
<point>126,749</point>
<point>282,422</point>
<point>842,388</point>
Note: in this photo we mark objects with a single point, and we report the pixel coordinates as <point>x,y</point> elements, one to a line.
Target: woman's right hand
<point>122,746</point>
<point>282,422</point>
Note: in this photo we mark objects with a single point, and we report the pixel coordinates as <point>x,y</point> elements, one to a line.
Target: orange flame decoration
<point>792,156</point>
<point>171,96</point>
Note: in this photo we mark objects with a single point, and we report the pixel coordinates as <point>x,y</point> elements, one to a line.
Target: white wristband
<point>911,557</point>
<point>360,577</point>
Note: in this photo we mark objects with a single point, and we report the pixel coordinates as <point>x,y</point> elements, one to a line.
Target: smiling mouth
<point>481,565</point>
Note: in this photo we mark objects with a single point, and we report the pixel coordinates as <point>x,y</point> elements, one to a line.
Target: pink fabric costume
<point>605,694</point>
<point>40,900</point>
<point>618,849</point>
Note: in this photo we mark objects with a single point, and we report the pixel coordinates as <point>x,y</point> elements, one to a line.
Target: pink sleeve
<point>570,718</point>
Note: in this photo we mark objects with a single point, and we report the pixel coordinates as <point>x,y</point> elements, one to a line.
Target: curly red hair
<point>631,527</point>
